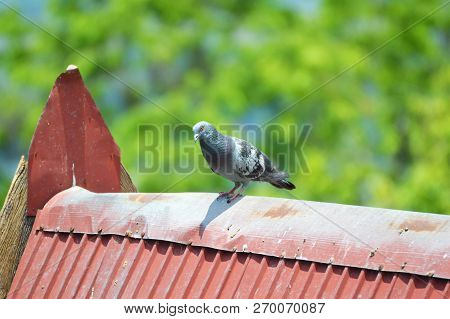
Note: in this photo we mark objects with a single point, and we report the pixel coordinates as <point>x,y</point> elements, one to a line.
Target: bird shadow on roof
<point>217,207</point>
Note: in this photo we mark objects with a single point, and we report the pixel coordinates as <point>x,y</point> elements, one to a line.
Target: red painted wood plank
<point>71,143</point>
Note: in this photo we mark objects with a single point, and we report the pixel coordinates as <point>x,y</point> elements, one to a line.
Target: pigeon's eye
<point>201,129</point>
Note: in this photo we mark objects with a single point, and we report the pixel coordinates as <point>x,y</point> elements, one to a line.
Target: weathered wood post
<point>15,227</point>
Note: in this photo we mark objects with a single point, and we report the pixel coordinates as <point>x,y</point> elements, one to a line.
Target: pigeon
<point>237,160</point>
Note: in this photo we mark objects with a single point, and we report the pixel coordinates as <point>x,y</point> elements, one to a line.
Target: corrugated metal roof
<point>61,265</point>
<point>190,245</point>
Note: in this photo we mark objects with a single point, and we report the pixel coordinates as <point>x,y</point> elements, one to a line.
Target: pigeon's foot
<point>232,198</point>
<point>225,194</point>
<point>231,191</point>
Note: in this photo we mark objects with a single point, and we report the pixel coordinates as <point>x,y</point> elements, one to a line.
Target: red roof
<point>89,245</point>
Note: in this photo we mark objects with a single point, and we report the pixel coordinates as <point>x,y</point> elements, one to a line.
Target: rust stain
<point>281,211</point>
<point>146,198</point>
<point>418,225</point>
<point>141,198</point>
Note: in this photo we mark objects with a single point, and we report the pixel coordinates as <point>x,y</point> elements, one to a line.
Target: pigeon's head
<point>202,130</point>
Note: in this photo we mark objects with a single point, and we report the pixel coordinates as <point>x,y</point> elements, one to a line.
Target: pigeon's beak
<point>196,136</point>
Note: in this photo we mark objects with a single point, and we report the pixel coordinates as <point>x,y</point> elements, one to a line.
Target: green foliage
<point>381,131</point>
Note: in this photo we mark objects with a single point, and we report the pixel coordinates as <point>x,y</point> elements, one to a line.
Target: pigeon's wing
<point>248,161</point>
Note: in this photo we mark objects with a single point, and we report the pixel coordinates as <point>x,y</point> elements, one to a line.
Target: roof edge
<point>355,236</point>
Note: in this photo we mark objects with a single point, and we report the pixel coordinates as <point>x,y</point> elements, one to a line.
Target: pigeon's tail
<point>283,183</point>
<point>279,180</point>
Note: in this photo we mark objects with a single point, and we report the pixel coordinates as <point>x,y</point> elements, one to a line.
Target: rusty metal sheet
<point>71,143</point>
<point>63,265</point>
<point>362,237</point>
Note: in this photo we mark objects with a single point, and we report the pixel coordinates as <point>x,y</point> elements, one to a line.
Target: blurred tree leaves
<point>380,133</point>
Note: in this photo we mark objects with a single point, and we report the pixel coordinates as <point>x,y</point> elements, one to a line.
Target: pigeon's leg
<point>231,191</point>
<point>232,198</point>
